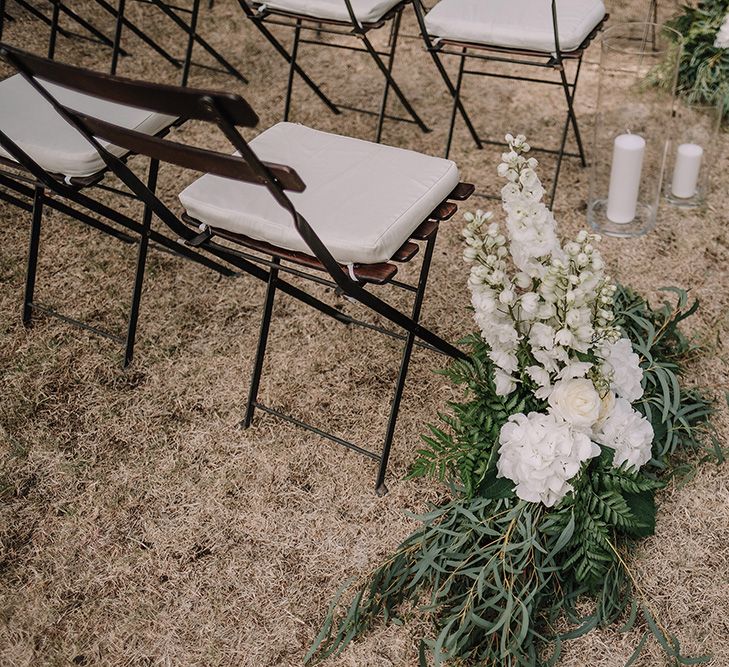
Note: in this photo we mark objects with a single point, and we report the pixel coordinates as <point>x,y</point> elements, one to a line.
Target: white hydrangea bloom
<point>541,453</point>
<point>622,367</point>
<point>722,35</point>
<point>629,433</point>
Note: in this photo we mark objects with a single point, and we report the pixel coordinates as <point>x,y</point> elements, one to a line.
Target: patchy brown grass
<point>139,526</point>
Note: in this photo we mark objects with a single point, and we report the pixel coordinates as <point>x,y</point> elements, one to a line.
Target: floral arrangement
<point>549,326</point>
<point>703,74</point>
<point>573,408</point>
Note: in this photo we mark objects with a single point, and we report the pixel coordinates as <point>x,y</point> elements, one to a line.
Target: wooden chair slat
<point>406,252</point>
<point>462,191</point>
<point>425,231</point>
<point>444,211</point>
<point>378,274</point>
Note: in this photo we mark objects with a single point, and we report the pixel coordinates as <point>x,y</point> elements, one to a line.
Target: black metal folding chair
<point>372,204</point>
<point>90,32</point>
<point>513,32</point>
<point>186,20</point>
<point>183,18</point>
<point>46,163</point>
<point>341,18</point>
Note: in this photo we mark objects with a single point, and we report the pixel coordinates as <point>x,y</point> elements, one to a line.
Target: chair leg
<point>392,43</point>
<point>115,53</point>
<point>393,84</point>
<point>35,231</point>
<point>570,98</point>
<point>560,158</point>
<point>292,69</point>
<point>138,32</point>
<point>214,53</point>
<point>141,264</point>
<point>456,102</point>
<point>570,120</point>
<point>452,90</point>
<point>380,487</point>
<point>287,57</point>
<point>192,29</point>
<point>81,21</point>
<point>55,17</point>
<point>262,341</point>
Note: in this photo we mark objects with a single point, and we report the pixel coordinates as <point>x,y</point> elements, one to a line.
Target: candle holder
<point>632,127</point>
<point>696,138</point>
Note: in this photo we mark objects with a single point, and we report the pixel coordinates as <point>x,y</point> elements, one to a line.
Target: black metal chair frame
<point>263,16</point>
<point>29,187</point>
<point>174,13</point>
<point>94,34</point>
<point>493,54</point>
<point>227,112</point>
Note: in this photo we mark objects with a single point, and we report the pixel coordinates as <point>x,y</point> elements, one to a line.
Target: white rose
<point>575,401</point>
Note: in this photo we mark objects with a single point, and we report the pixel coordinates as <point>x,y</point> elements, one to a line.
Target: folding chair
<point>369,204</point>
<point>175,14</point>
<point>350,18</point>
<point>91,33</point>
<point>528,33</point>
<point>46,163</point>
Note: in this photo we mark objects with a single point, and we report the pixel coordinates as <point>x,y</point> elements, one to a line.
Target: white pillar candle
<point>686,171</point>
<point>628,151</point>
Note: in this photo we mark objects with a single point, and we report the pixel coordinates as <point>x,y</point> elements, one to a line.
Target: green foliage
<point>679,416</point>
<point>495,574</point>
<point>465,454</point>
<point>608,505</point>
<point>703,75</point>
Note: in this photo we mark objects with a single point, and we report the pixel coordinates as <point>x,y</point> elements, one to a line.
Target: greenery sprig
<point>703,75</point>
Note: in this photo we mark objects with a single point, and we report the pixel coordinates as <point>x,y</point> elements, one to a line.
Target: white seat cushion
<point>34,125</point>
<point>363,200</point>
<point>366,11</point>
<point>519,24</point>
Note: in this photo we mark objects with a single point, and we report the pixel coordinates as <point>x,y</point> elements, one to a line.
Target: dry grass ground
<point>138,526</point>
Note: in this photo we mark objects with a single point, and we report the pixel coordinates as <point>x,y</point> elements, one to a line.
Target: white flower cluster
<point>722,35</point>
<point>541,453</point>
<point>546,312</point>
